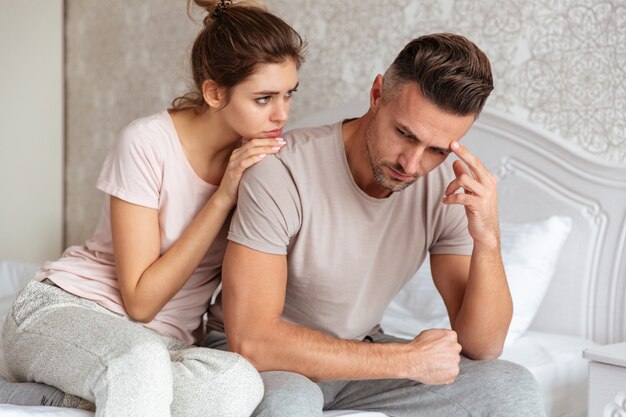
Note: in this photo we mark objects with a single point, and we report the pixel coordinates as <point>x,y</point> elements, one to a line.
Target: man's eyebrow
<point>413,136</point>
<point>271,93</point>
<point>408,132</point>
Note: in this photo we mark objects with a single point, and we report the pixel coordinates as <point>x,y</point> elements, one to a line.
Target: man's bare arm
<point>476,291</point>
<point>477,299</point>
<point>254,286</point>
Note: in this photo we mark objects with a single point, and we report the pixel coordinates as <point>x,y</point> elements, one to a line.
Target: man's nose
<point>411,159</point>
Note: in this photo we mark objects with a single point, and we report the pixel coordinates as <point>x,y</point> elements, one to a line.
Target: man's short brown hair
<point>452,72</point>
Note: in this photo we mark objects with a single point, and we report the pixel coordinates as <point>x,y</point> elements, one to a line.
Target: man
<point>329,230</point>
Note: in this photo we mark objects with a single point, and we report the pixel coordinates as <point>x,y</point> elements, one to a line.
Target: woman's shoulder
<point>154,132</point>
<point>152,126</point>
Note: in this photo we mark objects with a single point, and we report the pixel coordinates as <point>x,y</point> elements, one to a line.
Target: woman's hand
<point>241,159</point>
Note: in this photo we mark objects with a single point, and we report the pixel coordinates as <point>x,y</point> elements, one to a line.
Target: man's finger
<point>476,167</point>
<point>459,168</point>
<point>467,183</point>
<point>460,198</point>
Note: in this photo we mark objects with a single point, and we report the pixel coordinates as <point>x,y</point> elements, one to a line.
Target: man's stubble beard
<point>377,169</point>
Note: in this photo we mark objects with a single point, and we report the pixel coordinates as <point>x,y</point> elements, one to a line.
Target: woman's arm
<point>147,279</point>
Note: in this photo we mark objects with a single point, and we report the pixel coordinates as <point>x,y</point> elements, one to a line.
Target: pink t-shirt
<point>147,166</point>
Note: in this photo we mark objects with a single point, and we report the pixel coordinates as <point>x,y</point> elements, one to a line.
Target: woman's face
<point>259,105</point>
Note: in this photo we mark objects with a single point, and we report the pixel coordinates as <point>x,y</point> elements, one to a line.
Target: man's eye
<point>402,133</point>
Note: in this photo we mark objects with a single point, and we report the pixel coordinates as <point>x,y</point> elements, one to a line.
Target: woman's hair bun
<point>215,8</point>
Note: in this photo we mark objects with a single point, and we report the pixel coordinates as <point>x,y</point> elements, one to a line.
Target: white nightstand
<point>607,380</point>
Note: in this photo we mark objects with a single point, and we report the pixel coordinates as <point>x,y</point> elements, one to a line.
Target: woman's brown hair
<point>235,39</point>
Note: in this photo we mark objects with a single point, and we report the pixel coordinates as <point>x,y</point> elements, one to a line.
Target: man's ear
<point>376,93</point>
<point>213,94</point>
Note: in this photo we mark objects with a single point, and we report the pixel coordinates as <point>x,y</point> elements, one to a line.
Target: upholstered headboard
<point>541,175</point>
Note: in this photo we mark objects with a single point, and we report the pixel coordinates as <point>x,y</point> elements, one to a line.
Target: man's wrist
<point>400,365</point>
<point>488,244</point>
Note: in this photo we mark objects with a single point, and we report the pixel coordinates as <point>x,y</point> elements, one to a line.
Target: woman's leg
<point>29,393</point>
<point>33,393</point>
<point>209,383</point>
<point>56,338</point>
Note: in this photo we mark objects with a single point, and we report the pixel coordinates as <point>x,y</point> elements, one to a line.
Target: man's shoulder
<point>300,139</point>
<point>307,150</point>
<point>305,147</point>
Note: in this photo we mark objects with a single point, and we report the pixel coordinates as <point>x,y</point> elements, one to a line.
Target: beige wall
<point>31,129</point>
<point>558,63</point>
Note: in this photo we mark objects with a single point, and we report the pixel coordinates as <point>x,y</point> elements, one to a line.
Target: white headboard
<point>541,174</point>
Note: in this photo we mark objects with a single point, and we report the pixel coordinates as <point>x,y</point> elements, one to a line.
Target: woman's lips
<point>273,133</point>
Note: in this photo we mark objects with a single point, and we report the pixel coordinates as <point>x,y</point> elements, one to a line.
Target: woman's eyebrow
<point>271,92</point>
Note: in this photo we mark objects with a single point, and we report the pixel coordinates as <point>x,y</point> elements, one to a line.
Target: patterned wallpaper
<point>558,63</point>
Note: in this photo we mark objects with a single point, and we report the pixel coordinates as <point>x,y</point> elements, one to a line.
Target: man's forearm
<point>483,320</point>
<point>319,356</point>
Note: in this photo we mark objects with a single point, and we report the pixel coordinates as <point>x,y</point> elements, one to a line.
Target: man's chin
<point>395,185</point>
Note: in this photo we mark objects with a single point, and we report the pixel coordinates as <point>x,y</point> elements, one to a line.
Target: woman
<point>113,321</point>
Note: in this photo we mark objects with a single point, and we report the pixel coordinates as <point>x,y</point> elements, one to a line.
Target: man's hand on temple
<point>480,196</point>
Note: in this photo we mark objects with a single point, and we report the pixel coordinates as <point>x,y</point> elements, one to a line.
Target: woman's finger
<point>252,143</point>
<point>254,151</point>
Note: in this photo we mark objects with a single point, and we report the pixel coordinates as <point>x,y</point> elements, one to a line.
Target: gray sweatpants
<point>76,345</point>
<point>492,388</point>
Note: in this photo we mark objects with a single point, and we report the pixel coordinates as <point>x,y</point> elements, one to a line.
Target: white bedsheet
<point>14,411</point>
<point>556,362</point>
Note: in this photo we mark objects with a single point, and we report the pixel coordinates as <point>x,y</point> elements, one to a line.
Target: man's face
<point>409,137</point>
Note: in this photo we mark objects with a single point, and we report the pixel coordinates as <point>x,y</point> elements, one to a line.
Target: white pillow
<point>529,252</point>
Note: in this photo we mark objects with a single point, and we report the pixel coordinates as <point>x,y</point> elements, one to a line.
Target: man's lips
<point>397,175</point>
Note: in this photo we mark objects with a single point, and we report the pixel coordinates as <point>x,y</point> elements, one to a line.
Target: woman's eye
<point>262,100</point>
<point>290,93</point>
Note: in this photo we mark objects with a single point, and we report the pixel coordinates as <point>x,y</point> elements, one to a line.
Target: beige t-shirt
<point>348,254</point>
<point>147,166</point>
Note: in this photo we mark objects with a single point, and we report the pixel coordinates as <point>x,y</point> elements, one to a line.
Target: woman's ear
<point>213,94</point>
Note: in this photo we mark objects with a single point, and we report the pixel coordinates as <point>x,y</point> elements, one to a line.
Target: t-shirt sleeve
<point>454,238</point>
<point>268,210</point>
<point>451,235</point>
<point>132,170</point>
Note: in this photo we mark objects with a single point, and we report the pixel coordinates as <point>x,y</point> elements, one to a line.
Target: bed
<point>563,215</point>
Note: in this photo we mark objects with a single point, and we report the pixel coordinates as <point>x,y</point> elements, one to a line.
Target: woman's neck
<point>207,142</point>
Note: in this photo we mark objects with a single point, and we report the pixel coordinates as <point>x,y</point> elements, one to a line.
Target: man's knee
<point>507,389</point>
<point>289,394</point>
